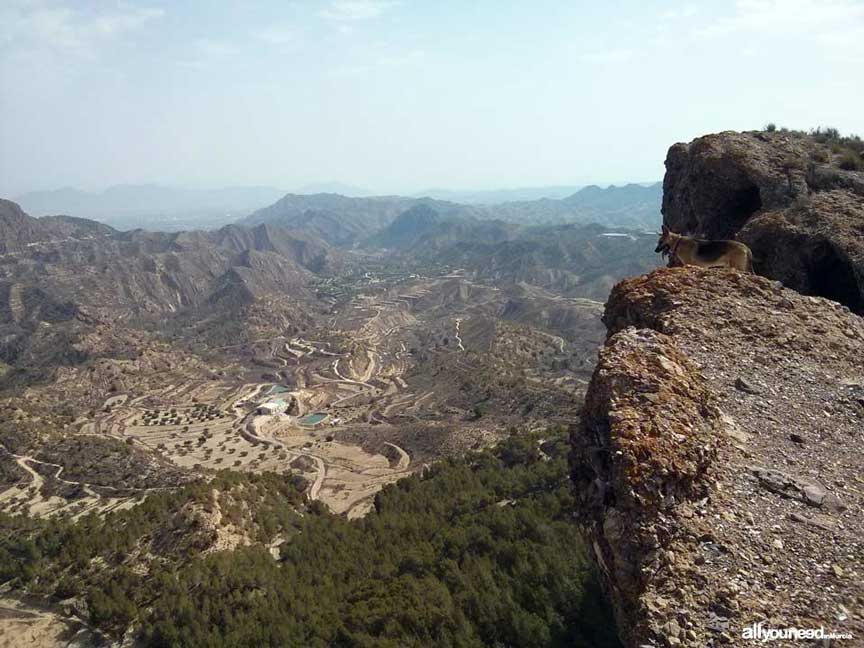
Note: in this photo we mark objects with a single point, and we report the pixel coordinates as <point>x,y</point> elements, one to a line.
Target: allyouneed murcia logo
<point>758,632</point>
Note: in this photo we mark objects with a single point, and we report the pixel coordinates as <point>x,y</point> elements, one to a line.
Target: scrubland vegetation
<point>481,550</point>
<point>848,149</point>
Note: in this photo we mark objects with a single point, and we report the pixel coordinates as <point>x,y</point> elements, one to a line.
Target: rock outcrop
<point>718,464</point>
<point>783,194</point>
<point>17,229</point>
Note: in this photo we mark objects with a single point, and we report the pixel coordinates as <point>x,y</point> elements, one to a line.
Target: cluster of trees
<point>477,551</point>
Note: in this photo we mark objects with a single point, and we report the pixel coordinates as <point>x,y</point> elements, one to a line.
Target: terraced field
<point>399,370</point>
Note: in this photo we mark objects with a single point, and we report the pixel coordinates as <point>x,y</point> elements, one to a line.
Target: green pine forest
<point>477,551</point>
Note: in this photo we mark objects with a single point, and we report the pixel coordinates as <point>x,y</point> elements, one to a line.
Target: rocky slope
<point>796,200</point>
<point>719,460</point>
<point>17,229</point>
<point>573,260</point>
<point>71,288</point>
<point>130,273</point>
<point>423,222</point>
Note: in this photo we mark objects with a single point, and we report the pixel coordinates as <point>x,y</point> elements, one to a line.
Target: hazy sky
<point>403,95</point>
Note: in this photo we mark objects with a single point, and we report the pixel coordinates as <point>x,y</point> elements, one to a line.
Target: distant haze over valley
<point>492,196</point>
<point>152,207</point>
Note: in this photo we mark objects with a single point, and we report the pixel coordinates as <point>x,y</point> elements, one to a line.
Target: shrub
<point>819,155</point>
<point>850,161</point>
<point>827,134</point>
<point>770,127</point>
<point>792,162</point>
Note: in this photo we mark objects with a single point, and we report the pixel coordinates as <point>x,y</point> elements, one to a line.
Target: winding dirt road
<point>315,489</point>
<point>459,339</point>
<point>404,459</point>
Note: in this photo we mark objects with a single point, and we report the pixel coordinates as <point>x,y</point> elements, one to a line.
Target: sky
<point>398,96</point>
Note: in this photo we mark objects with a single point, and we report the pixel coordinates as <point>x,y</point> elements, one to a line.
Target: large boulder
<point>783,194</point>
<point>816,246</point>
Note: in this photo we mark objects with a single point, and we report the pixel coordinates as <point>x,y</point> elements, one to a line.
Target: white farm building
<point>272,407</point>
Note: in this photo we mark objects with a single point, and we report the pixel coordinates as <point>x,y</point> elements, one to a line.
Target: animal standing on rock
<point>685,250</point>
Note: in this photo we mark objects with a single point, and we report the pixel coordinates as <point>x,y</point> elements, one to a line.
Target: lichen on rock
<point>717,465</point>
<point>648,436</point>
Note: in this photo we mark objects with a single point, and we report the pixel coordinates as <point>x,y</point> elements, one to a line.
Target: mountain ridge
<point>83,277</point>
<point>347,221</point>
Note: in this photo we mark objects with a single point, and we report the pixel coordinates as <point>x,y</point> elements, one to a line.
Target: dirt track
<point>38,505</point>
<point>24,625</point>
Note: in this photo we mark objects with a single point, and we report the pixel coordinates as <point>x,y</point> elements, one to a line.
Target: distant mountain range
<point>635,206</point>
<point>546,242</point>
<point>574,245</point>
<point>496,196</point>
<point>334,187</point>
<point>345,221</point>
<point>339,213</point>
<point>80,276</point>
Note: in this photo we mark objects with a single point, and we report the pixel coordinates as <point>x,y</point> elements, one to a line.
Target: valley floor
<point>397,376</point>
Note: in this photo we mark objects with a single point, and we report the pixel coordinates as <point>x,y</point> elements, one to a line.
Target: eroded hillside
<point>229,405</point>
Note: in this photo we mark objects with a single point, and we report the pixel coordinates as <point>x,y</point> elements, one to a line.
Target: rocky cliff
<point>786,195</point>
<point>718,463</point>
<point>719,460</point>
